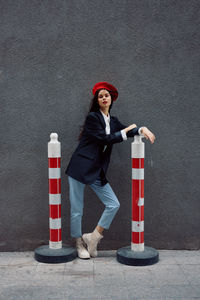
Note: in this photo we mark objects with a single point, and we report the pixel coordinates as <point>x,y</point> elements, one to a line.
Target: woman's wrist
<point>142,129</point>
<point>130,127</point>
<point>126,129</point>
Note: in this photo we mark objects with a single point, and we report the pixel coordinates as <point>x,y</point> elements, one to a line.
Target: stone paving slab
<point>175,276</point>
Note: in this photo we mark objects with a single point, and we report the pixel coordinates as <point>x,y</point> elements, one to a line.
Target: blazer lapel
<point>101,119</point>
<point>104,124</point>
<point>112,125</point>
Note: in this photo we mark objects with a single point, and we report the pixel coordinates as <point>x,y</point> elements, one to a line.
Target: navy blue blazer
<point>91,158</point>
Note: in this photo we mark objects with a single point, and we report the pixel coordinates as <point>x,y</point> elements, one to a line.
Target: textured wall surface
<point>51,54</point>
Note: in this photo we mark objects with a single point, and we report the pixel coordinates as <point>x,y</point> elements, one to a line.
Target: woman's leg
<point>108,197</point>
<point>100,229</point>
<point>76,196</point>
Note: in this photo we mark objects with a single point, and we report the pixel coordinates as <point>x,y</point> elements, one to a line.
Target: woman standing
<point>89,164</point>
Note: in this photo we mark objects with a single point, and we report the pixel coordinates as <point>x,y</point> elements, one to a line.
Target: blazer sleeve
<point>96,132</point>
<point>130,133</point>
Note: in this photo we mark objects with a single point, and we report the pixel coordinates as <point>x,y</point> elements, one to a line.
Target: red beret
<point>107,86</point>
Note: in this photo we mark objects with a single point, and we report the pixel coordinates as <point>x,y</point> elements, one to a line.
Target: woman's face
<point>104,99</point>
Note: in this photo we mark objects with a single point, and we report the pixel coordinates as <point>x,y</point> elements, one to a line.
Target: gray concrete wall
<point>51,54</point>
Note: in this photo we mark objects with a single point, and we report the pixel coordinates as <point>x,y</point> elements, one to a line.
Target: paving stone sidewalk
<point>176,276</point>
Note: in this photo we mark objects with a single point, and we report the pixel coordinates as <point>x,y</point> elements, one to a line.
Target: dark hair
<point>94,106</point>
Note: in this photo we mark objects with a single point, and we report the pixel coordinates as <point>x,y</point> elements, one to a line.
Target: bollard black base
<point>53,256</point>
<point>127,256</point>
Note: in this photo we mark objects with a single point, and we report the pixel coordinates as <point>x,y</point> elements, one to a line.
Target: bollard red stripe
<point>137,189</point>
<point>137,213</point>
<point>55,211</point>
<point>137,192</point>
<point>138,237</point>
<point>54,162</point>
<point>138,163</point>
<point>55,235</point>
<point>55,186</point>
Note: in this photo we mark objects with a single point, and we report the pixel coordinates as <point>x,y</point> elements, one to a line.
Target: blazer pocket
<point>87,155</point>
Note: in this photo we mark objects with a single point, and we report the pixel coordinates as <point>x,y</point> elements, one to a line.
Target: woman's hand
<point>148,134</point>
<point>130,127</point>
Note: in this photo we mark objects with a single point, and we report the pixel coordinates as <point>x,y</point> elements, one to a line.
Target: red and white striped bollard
<point>55,252</point>
<point>54,157</point>
<point>137,241</point>
<point>137,254</point>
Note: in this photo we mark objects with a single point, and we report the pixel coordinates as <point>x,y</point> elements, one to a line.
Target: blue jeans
<point>76,195</point>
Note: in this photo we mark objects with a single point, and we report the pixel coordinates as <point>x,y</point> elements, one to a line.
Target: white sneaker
<point>82,251</point>
<point>92,240</point>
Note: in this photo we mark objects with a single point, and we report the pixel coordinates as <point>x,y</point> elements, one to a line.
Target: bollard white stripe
<point>54,198</point>
<point>137,247</point>
<point>141,202</point>
<point>137,173</point>
<point>54,147</point>
<point>55,245</point>
<point>137,149</point>
<point>54,173</point>
<point>137,226</point>
<point>54,223</point>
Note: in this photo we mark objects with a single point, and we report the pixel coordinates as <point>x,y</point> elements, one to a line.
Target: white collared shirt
<point>107,129</point>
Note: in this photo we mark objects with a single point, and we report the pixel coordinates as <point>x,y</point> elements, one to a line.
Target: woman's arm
<point>133,130</point>
<point>148,134</point>
<point>96,132</point>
